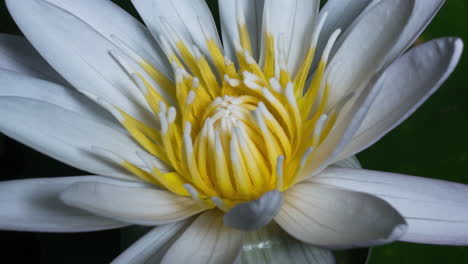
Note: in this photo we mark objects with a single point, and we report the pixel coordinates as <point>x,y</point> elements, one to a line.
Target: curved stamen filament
<point>227,134</point>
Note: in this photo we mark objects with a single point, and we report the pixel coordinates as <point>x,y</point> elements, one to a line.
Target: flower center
<point>226,111</point>
<point>228,133</point>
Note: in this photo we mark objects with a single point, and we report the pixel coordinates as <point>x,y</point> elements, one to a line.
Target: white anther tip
<point>188,127</point>
<point>171,114</point>
<point>237,47</point>
<point>280,159</point>
<point>227,61</point>
<point>195,82</point>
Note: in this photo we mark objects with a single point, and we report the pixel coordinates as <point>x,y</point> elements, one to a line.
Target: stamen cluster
<point>228,132</point>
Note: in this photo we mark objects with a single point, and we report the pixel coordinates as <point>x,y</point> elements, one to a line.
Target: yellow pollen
<point>229,134</point>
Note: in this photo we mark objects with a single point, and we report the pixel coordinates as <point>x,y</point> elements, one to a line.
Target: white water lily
<point>237,135</point>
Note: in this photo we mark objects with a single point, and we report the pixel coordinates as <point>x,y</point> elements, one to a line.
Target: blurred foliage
<point>432,143</point>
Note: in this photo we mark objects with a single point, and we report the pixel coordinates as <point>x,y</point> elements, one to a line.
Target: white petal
<point>144,205</point>
<point>188,18</point>
<point>292,23</point>
<point>436,211</point>
<point>20,85</point>
<point>272,245</point>
<point>75,38</point>
<point>34,205</point>
<point>122,25</point>
<point>206,241</point>
<point>151,247</point>
<point>337,218</point>
<point>365,46</point>
<point>340,15</point>
<point>17,54</point>
<point>349,119</point>
<point>254,214</point>
<point>65,135</point>
<point>351,162</point>
<point>424,12</point>
<point>359,123</point>
<point>407,83</point>
<point>252,12</point>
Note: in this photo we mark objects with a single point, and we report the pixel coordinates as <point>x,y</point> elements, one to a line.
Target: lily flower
<point>213,142</point>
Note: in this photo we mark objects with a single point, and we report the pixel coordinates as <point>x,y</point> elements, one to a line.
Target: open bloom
<point>237,134</point>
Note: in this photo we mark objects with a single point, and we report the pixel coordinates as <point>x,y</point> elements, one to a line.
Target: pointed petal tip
<point>396,233</point>
<point>255,214</point>
<point>456,42</point>
<point>459,45</point>
<point>65,195</point>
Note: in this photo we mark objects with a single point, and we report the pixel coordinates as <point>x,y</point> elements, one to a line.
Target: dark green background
<point>432,143</point>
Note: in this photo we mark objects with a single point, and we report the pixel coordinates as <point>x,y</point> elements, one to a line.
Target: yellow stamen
<point>225,134</point>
